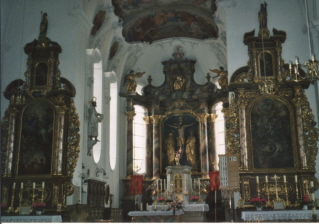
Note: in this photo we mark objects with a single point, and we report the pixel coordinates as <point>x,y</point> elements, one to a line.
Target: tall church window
<point>98,94</point>
<point>113,124</point>
<point>139,138</point>
<point>219,131</point>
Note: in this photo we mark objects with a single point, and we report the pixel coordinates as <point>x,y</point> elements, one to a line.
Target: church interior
<point>159,111</point>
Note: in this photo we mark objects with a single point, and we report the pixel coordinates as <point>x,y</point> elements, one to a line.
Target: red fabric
<point>214,181</point>
<point>136,184</point>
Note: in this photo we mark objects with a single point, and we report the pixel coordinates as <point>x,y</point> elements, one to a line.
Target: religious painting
<point>180,142</point>
<point>36,139</point>
<point>265,63</point>
<point>98,21</point>
<point>171,23</point>
<point>271,135</point>
<point>41,72</point>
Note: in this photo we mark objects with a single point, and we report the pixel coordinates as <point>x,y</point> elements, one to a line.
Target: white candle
<point>290,65</point>
<point>14,185</point>
<point>146,206</point>
<point>313,57</point>
<point>141,206</point>
<point>266,177</point>
<point>297,60</point>
<point>33,185</point>
<point>42,184</point>
<point>198,183</point>
<point>165,185</point>
<point>296,178</point>
<point>257,179</point>
<point>285,178</point>
<point>311,183</point>
<point>21,185</point>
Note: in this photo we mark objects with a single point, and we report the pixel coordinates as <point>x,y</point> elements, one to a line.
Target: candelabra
<point>268,203</point>
<point>286,192</point>
<point>312,70</point>
<point>20,201</point>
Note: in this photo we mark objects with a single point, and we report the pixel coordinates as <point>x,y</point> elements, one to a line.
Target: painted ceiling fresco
<point>151,20</point>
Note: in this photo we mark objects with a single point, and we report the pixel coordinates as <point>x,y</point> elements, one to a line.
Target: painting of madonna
<point>36,139</point>
<point>271,135</point>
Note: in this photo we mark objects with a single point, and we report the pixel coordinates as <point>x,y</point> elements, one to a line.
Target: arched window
<point>219,131</point>
<point>98,94</point>
<point>139,138</point>
<point>113,124</point>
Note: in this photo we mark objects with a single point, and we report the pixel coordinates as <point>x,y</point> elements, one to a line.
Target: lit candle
<point>266,177</point>
<point>14,185</point>
<point>42,184</point>
<point>33,185</point>
<point>21,185</point>
<point>285,178</point>
<point>257,179</point>
<point>296,178</point>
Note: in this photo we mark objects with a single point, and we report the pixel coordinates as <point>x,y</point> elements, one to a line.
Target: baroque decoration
<point>40,139</point>
<point>270,125</point>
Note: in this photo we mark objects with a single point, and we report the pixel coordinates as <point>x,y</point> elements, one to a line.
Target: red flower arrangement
<point>258,202</point>
<point>194,198</point>
<point>39,205</point>
<point>305,198</point>
<point>161,199</point>
<point>176,205</point>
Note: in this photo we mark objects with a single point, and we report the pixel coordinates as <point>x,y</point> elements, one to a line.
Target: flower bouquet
<point>38,207</point>
<point>161,200</point>
<point>258,202</point>
<point>194,199</point>
<point>305,202</point>
<point>176,205</point>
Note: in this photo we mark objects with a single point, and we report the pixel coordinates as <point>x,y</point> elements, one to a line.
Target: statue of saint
<point>262,16</point>
<point>190,148</point>
<point>222,81</point>
<point>43,26</point>
<point>130,81</point>
<point>170,148</point>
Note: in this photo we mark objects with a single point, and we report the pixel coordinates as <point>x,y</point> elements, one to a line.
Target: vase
<point>259,208</point>
<point>305,207</point>
<point>38,212</point>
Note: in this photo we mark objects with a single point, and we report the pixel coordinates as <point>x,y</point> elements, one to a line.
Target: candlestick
<point>141,206</point>
<point>42,184</point>
<point>266,177</point>
<point>285,178</point>
<point>257,179</point>
<point>296,178</point>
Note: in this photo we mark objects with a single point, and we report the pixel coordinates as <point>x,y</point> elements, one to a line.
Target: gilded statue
<point>222,81</point>
<point>190,148</point>
<point>262,16</point>
<point>178,82</point>
<point>170,148</point>
<point>130,81</point>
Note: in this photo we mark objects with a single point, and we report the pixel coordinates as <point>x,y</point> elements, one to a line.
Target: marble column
<point>203,144</point>
<point>149,166</point>
<point>129,147</point>
<point>156,145</point>
<point>243,135</point>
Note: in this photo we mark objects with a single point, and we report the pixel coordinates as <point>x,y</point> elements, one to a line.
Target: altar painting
<point>271,135</point>
<point>180,136</point>
<point>36,139</point>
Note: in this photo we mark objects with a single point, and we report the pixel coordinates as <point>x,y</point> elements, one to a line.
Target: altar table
<point>278,215</point>
<point>31,218</point>
<point>156,216</point>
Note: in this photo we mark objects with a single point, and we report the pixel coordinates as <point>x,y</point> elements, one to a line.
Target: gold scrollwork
<point>232,129</point>
<point>130,115</point>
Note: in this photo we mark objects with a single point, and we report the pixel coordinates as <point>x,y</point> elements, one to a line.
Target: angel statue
<point>222,81</point>
<point>130,82</point>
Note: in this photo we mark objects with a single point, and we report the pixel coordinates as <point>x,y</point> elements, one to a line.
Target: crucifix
<point>276,178</point>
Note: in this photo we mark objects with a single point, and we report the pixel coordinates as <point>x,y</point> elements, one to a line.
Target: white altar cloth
<point>31,218</point>
<point>154,213</point>
<point>277,215</point>
<point>187,208</point>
